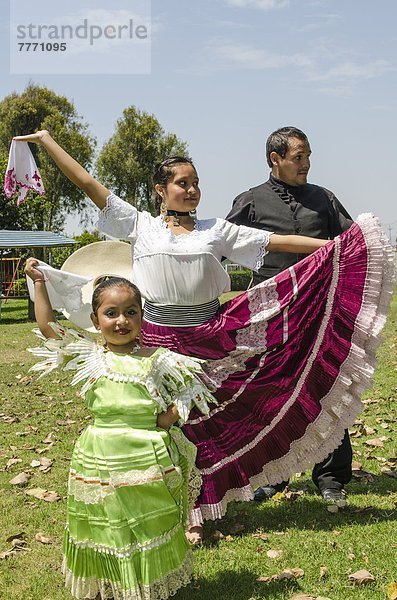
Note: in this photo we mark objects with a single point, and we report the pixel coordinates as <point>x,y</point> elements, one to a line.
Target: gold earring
<point>163,212</point>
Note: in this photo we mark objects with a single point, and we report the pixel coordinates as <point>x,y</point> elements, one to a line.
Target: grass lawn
<point>40,419</point>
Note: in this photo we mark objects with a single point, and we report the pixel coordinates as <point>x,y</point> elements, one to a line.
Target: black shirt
<point>303,210</point>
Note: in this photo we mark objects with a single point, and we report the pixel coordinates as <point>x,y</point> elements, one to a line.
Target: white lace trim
<point>92,490</point>
<point>129,550</point>
<point>168,377</point>
<point>262,252</point>
<point>90,587</point>
<point>113,202</point>
<point>189,451</point>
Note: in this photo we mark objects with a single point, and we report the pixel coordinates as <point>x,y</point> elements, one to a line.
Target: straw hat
<point>96,260</point>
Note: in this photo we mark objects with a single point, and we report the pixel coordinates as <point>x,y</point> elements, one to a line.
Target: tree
<point>126,161</point>
<point>40,108</point>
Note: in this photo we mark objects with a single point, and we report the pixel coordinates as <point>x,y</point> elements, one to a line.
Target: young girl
<point>132,474</point>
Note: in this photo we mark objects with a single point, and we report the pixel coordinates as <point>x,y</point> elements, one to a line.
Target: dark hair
<point>164,170</point>
<point>109,282</point>
<point>278,141</point>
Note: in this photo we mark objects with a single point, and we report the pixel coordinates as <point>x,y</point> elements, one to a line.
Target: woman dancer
<point>289,358</point>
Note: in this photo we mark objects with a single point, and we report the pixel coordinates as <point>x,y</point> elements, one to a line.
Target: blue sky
<point>225,73</point>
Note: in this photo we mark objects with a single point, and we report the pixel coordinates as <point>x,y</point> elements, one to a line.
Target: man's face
<point>294,167</point>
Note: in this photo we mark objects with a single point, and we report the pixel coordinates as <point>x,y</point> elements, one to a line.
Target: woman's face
<point>182,192</point>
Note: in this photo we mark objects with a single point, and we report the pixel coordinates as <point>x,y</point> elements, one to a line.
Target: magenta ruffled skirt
<point>289,360</point>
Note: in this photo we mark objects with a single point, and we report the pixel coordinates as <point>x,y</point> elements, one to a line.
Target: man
<point>287,204</point>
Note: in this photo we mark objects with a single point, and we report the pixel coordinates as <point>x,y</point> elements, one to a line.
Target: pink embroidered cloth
<point>22,173</point>
<point>289,360</point>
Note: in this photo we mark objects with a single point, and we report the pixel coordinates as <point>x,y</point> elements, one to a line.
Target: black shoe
<point>264,493</point>
<point>333,496</point>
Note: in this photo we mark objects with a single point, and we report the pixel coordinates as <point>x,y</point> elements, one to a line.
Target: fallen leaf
<point>8,419</point>
<point>290,495</point>
<point>217,535</point>
<point>39,537</point>
<point>12,461</point>
<point>362,510</point>
<point>361,577</point>
<point>20,479</point>
<point>291,573</point>
<point>391,589</point>
<point>351,556</point>
<point>286,574</point>
<point>44,464</point>
<point>332,508</point>
<point>389,472</point>
<point>237,528</point>
<point>368,430</point>
<point>46,449</point>
<point>366,476</point>
<point>17,538</point>
<point>11,552</point>
<point>356,466</point>
<point>42,494</point>
<point>49,439</point>
<point>262,536</point>
<point>377,442</point>
<point>323,572</point>
<point>274,553</point>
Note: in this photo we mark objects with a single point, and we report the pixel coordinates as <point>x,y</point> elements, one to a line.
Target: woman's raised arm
<point>69,167</point>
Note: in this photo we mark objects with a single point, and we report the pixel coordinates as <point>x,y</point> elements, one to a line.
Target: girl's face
<point>118,318</point>
<point>182,192</point>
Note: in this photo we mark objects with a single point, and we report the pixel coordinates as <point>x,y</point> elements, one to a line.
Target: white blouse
<point>182,269</point>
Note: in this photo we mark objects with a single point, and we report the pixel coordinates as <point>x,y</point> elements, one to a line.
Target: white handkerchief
<point>63,288</point>
<point>22,173</point>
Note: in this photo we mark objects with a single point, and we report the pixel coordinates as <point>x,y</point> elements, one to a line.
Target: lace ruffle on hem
<point>89,588</point>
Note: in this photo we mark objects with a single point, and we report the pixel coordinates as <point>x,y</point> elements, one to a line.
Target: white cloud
<point>261,4</point>
<point>330,74</point>
<point>353,72</point>
<point>252,58</point>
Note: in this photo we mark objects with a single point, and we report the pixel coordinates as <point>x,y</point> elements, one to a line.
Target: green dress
<point>130,482</point>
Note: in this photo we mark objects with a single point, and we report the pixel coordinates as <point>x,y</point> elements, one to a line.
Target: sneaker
<point>264,493</point>
<point>333,496</point>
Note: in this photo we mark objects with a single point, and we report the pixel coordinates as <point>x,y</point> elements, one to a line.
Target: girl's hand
<point>36,138</point>
<point>32,271</point>
<point>166,419</point>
